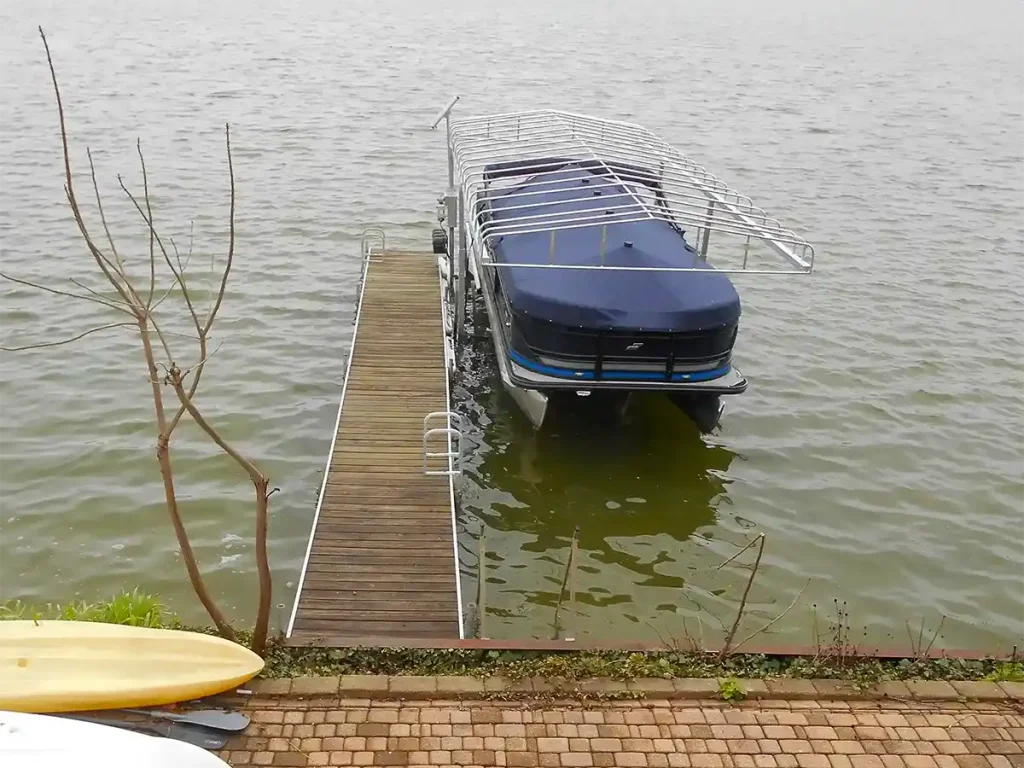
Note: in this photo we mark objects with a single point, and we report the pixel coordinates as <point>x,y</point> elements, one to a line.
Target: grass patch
<point>1007,672</point>
<point>133,608</point>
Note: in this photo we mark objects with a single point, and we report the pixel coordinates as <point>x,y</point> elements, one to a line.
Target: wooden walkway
<point>380,565</point>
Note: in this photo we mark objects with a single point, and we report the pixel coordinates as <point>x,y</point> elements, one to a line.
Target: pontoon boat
<point>574,230</point>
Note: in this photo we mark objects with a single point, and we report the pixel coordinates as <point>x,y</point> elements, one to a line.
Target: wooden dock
<point>380,565</point>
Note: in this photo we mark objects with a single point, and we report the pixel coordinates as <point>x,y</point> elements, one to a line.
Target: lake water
<point>880,446</point>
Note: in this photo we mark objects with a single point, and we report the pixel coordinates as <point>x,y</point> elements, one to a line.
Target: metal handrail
<point>370,235</point>
<point>454,456</point>
<point>449,415</point>
<point>648,180</point>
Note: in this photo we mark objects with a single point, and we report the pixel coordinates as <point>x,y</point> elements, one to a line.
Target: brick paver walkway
<point>692,734</point>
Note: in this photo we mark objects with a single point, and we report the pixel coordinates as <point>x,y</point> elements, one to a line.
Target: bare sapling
<point>919,649</point>
<point>137,300</point>
<point>569,566</point>
<point>730,645</point>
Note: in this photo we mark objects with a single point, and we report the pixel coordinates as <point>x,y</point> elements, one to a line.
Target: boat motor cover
<point>599,299</point>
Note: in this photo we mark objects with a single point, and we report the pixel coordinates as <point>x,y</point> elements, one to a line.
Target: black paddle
<point>193,734</point>
<point>217,719</point>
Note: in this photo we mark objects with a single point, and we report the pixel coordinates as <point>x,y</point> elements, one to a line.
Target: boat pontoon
<point>574,230</point>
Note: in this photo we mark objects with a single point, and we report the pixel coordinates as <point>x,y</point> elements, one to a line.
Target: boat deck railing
<point>523,158</point>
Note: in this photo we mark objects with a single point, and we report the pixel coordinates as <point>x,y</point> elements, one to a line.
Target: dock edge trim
<point>451,460</point>
<point>334,439</point>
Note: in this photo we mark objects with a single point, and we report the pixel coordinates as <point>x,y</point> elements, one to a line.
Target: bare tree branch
<point>231,233</point>
<point>750,543</point>
<point>99,295</point>
<point>167,293</point>
<point>163,341</point>
<point>117,265</point>
<point>767,626</point>
<point>182,410</point>
<point>261,483</point>
<point>209,287</point>
<point>163,455</point>
<point>68,341</point>
<point>69,188</point>
<point>177,258</point>
<point>919,650</point>
<point>179,388</point>
<point>726,648</point>
<point>557,627</point>
<point>674,645</point>
<point>163,250</point>
<point>105,302</point>
<point>188,260</point>
<point>195,383</point>
<point>913,646</point>
<point>934,636</point>
<point>181,267</point>
<point>215,305</point>
<point>201,362</point>
<point>149,211</point>
<point>177,335</point>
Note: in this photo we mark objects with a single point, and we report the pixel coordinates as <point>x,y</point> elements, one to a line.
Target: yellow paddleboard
<point>68,666</point>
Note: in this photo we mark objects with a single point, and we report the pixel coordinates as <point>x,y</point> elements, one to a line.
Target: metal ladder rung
<point>370,236</point>
<point>454,456</point>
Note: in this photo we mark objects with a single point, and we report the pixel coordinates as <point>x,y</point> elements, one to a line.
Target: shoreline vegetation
<point>830,662</point>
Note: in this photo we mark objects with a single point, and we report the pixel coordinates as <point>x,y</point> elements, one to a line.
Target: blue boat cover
<point>595,299</point>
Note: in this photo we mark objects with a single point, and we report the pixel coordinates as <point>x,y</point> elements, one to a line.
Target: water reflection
<point>638,489</point>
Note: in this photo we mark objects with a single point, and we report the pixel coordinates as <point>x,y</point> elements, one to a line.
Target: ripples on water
<point>880,444</point>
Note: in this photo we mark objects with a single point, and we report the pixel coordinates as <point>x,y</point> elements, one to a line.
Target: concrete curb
<point>455,687</point>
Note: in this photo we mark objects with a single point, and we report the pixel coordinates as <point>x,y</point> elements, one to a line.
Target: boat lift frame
<point>640,176</point>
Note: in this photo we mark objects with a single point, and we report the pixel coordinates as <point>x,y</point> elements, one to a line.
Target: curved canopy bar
<point>551,171</point>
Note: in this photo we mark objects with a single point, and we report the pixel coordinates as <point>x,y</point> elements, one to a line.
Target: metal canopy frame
<point>640,177</point>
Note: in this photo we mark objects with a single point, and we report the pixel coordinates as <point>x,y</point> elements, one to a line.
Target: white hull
<point>530,401</point>
<point>42,741</point>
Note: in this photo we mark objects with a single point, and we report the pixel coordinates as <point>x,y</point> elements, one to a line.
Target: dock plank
<point>381,557</point>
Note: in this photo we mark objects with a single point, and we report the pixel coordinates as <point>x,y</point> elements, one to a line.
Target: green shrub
<point>133,608</point>
<point>731,690</point>
<point>1008,672</point>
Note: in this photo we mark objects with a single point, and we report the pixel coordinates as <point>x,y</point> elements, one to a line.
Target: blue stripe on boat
<point>569,373</point>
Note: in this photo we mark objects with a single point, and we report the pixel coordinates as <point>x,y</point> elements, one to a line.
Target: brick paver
<point>765,733</point>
